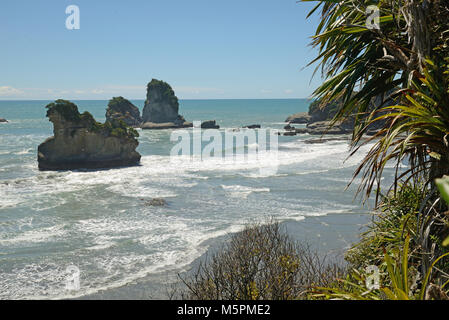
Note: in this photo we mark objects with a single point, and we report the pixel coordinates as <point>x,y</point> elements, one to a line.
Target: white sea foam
<point>238,191</point>
<point>25,151</point>
<point>35,236</point>
<point>117,240</point>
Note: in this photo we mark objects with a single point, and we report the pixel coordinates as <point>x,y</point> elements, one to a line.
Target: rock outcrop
<point>299,118</point>
<point>210,124</point>
<point>80,142</point>
<point>252,126</point>
<point>162,107</point>
<point>120,108</point>
<point>3,120</point>
<point>156,202</point>
<point>319,120</point>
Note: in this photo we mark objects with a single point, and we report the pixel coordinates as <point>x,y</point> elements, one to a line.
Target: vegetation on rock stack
<point>167,92</point>
<point>161,110</point>
<point>80,142</point>
<point>69,111</point>
<point>120,108</point>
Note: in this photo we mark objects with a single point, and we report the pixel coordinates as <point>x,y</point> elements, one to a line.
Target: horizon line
<point>188,99</point>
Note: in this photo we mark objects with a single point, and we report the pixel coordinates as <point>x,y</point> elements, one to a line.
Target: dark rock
<point>79,142</point>
<point>324,127</point>
<point>253,126</point>
<point>289,133</point>
<point>320,112</point>
<point>120,108</point>
<point>289,127</point>
<point>3,120</point>
<point>301,130</point>
<point>166,125</point>
<point>210,124</point>
<point>162,105</point>
<point>156,202</point>
<point>323,112</point>
<point>299,118</point>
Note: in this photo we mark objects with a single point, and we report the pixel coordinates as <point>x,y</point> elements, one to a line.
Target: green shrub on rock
<point>69,111</point>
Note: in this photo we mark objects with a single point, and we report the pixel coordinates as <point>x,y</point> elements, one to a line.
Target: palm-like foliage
<point>395,78</point>
<point>416,131</point>
<point>372,68</point>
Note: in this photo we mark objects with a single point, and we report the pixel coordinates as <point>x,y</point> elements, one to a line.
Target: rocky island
<point>161,110</point>
<point>3,120</point>
<point>120,108</point>
<point>79,142</point>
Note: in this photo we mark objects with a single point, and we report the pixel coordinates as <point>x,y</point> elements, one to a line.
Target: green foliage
<point>415,130</point>
<point>117,128</point>
<point>443,187</point>
<point>395,285</point>
<point>389,62</point>
<point>397,218</point>
<point>167,92</point>
<point>69,111</point>
<point>391,244</point>
<point>116,101</point>
<point>260,263</point>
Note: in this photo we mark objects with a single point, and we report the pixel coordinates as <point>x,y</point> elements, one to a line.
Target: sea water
<point>98,221</point>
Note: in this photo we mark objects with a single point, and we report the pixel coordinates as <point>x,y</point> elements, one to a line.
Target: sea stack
<point>120,108</point>
<point>162,107</point>
<point>79,142</point>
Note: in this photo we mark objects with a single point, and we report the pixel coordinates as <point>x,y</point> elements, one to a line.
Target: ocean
<point>98,221</point>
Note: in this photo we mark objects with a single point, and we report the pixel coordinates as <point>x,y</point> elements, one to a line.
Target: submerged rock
<point>156,202</point>
<point>120,108</point>
<point>81,142</point>
<point>253,126</point>
<point>162,107</point>
<point>3,120</point>
<point>210,124</point>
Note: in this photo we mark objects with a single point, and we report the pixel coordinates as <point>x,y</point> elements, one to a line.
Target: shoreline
<point>331,235</point>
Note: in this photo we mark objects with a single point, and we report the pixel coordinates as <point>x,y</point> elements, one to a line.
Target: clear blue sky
<point>204,48</point>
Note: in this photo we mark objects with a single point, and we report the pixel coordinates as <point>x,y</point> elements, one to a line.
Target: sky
<point>206,49</point>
